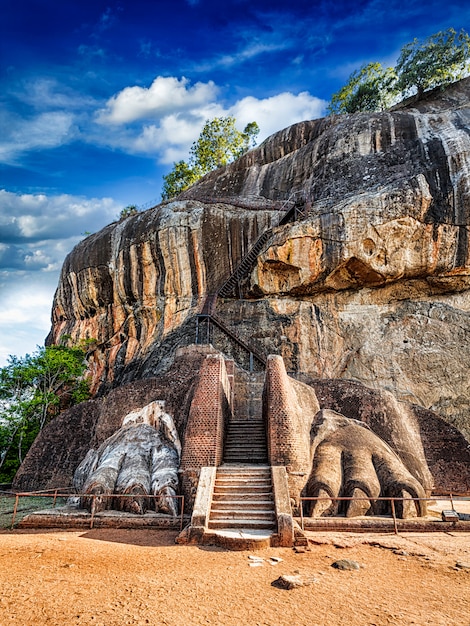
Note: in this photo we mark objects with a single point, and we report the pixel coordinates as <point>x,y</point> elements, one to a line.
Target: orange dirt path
<point>117,577</point>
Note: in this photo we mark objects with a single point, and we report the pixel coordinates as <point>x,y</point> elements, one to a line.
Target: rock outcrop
<point>370,283</point>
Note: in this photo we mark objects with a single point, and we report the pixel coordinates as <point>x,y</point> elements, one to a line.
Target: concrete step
<point>244,468</point>
<point>241,523</point>
<point>234,496</point>
<point>243,481</point>
<point>217,514</point>
<point>256,456</point>
<point>237,489</point>
<point>238,504</point>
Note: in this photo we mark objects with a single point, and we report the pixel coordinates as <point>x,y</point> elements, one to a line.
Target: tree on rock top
<point>435,62</point>
<point>438,61</point>
<point>218,144</point>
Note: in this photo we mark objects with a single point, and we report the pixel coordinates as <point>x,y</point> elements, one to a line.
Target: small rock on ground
<point>292,581</point>
<point>346,564</point>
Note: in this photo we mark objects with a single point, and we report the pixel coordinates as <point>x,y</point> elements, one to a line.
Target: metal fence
<point>451,497</point>
<point>54,495</point>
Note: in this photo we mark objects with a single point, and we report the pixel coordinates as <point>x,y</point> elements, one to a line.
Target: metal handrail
<point>392,499</point>
<point>57,493</point>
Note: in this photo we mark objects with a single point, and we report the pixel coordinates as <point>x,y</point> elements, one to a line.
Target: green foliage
<point>369,89</point>
<point>33,389</point>
<point>218,144</point>
<point>180,178</point>
<point>128,211</point>
<point>439,60</point>
<point>436,61</point>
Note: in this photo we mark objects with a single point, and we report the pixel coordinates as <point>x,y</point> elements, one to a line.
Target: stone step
<point>245,514</point>
<point>243,482</point>
<point>235,485</point>
<point>237,434</point>
<point>249,422</point>
<point>243,444</point>
<point>231,497</point>
<point>241,523</point>
<point>240,445</point>
<point>246,459</point>
<point>244,470</point>
<point>245,451</point>
<point>243,435</point>
<point>245,455</point>
<point>232,504</point>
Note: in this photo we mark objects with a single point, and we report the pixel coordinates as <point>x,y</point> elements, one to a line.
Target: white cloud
<point>25,310</point>
<point>36,233</point>
<point>47,93</point>
<point>278,112</point>
<point>179,112</point>
<point>46,130</point>
<point>33,217</point>
<point>165,95</point>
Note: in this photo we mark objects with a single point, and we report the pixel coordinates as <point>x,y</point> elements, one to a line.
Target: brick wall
<point>289,408</point>
<point>208,416</point>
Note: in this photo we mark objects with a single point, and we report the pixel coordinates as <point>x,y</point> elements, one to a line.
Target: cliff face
<point>134,284</point>
<point>370,283</point>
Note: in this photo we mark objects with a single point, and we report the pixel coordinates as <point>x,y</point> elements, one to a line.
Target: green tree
<point>218,144</point>
<point>33,389</point>
<point>128,211</point>
<point>180,178</point>
<point>437,61</point>
<point>372,88</point>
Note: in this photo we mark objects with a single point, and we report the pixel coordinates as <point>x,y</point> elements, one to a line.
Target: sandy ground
<point>117,577</point>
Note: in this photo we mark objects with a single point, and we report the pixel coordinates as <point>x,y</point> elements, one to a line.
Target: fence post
<point>182,513</point>
<point>15,508</point>
<point>451,501</point>
<point>394,516</point>
<point>92,511</point>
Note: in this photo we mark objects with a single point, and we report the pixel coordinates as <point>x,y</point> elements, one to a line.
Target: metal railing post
<point>15,508</point>
<point>392,500</point>
<point>93,504</point>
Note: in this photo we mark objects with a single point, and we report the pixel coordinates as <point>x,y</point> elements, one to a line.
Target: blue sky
<point>98,99</point>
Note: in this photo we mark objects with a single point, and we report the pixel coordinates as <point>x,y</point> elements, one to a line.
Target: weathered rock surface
<point>135,284</point>
<point>370,284</point>
<point>65,441</point>
<point>139,462</point>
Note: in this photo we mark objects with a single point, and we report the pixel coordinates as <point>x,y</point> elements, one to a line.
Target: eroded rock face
<point>330,455</point>
<point>349,460</point>
<point>134,284</point>
<point>139,462</point>
<point>370,284</point>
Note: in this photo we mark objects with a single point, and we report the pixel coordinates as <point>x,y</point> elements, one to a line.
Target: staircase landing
<point>242,514</point>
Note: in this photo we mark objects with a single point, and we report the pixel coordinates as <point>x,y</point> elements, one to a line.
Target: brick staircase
<point>243,492</point>
<point>246,442</point>
<point>243,500</point>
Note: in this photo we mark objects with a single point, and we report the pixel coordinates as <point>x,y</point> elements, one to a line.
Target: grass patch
<point>26,505</point>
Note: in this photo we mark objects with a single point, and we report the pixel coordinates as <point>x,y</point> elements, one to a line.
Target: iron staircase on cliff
<point>231,287</point>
